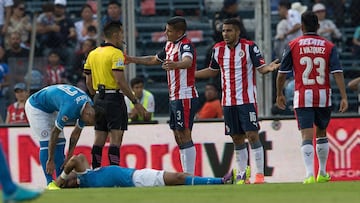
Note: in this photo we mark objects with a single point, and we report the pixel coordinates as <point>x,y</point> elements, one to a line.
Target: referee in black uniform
<point>105,78</point>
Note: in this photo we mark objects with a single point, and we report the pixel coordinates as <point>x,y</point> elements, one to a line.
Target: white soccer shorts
<point>148,178</point>
<point>40,122</point>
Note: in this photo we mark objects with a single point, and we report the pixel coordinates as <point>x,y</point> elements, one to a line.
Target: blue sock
<point>5,177</point>
<point>196,180</point>
<point>59,158</point>
<point>43,156</point>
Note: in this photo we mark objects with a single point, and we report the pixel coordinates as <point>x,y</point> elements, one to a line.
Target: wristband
<point>63,175</point>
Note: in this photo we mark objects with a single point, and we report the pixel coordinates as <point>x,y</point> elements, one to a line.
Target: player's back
<point>55,97</point>
<point>109,176</point>
<point>313,58</point>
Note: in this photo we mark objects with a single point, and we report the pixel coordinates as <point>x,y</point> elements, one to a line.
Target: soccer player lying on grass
<point>77,173</point>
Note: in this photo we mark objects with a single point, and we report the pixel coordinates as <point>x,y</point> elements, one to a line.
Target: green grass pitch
<point>344,192</point>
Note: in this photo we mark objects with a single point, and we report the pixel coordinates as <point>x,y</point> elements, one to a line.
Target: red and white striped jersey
<point>181,82</point>
<point>311,58</point>
<point>237,66</point>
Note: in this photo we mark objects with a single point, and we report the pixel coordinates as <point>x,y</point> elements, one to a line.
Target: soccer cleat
<point>323,179</point>
<point>230,177</point>
<point>21,194</point>
<point>244,177</point>
<point>52,186</point>
<point>259,178</point>
<point>309,180</point>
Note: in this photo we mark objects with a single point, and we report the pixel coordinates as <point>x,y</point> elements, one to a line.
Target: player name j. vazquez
<point>317,48</point>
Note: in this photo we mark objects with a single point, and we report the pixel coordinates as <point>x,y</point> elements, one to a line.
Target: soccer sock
<point>7,184</point>
<point>241,157</point>
<point>189,155</point>
<point>43,156</point>
<point>322,150</point>
<point>114,155</point>
<point>258,152</point>
<point>96,156</point>
<point>59,156</point>
<point>307,150</point>
<point>195,180</point>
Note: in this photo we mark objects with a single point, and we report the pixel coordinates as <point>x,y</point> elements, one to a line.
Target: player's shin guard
<point>195,180</point>
<point>96,156</point>
<point>8,185</point>
<point>114,155</point>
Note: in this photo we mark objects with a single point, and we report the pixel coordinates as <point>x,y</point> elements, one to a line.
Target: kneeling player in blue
<point>77,173</point>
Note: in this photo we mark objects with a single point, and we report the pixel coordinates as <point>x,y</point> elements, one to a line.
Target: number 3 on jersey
<point>318,63</point>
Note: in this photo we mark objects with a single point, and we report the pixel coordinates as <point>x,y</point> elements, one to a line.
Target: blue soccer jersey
<point>67,100</point>
<point>109,176</point>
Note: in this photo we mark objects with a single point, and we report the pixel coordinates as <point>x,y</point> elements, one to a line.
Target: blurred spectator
<point>4,83</point>
<point>229,10</point>
<point>35,79</point>
<point>354,85</point>
<point>46,26</point>
<point>327,28</point>
<point>212,107</point>
<point>147,7</point>
<point>76,76</point>
<point>5,13</point>
<point>86,21</point>
<point>279,42</point>
<point>113,13</point>
<point>65,39</point>
<point>15,50</point>
<point>356,43</point>
<point>55,72</point>
<point>91,32</point>
<point>16,111</point>
<point>293,18</point>
<point>19,22</point>
<point>146,99</point>
<point>355,12</point>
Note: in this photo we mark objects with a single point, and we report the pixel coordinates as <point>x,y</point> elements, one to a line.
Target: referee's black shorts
<point>116,117</point>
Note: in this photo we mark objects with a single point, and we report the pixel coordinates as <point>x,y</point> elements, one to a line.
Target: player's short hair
<point>111,27</point>
<point>178,23</point>
<point>233,21</point>
<point>310,21</point>
<point>135,81</point>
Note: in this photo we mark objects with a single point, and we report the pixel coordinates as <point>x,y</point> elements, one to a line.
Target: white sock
<point>322,151</point>
<point>189,158</point>
<point>182,158</point>
<point>308,157</point>
<point>259,159</point>
<point>241,158</point>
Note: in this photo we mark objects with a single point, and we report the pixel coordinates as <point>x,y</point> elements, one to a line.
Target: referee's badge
<point>120,63</point>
